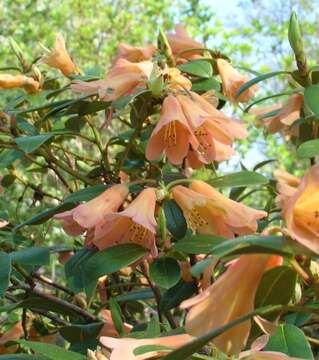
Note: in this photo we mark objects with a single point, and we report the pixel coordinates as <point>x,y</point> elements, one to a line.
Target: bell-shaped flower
<point>209,212</point>
<point>135,53</point>
<point>301,211</point>
<point>280,117</point>
<point>123,349</point>
<point>181,41</point>
<point>59,58</point>
<point>89,215</point>
<point>230,297</point>
<point>8,81</point>
<point>232,80</point>
<point>172,134</point>
<point>175,80</point>
<point>121,80</point>
<point>136,224</point>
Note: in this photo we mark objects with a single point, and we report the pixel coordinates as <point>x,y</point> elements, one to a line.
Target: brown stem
<point>49,282</point>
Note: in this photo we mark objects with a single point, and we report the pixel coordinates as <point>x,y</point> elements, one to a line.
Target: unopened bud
<point>165,48</point>
<point>19,54</point>
<point>294,34</point>
<point>156,85</point>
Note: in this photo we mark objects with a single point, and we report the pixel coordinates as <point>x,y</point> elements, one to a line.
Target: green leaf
<point>31,256</point>
<point>86,194</point>
<point>257,244</point>
<point>311,95</point>
<point>165,272</point>
<point>258,79</point>
<point>206,85</point>
<point>308,149</point>
<point>198,244</point>
<point>8,157</point>
<point>175,220</point>
<point>239,179</point>
<point>51,351</point>
<point>8,180</point>
<point>176,294</point>
<point>290,340</point>
<point>200,68</point>
<point>46,215</point>
<point>30,143</point>
<point>5,266</point>
<point>276,287</point>
<point>78,333</point>
<point>144,294</point>
<point>23,357</point>
<point>117,316</point>
<point>108,261</point>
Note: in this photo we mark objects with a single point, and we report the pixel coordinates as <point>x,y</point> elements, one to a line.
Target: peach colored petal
<point>135,53</point>
<point>136,224</point>
<point>15,333</point>
<point>59,58</point>
<point>124,348</point>
<point>70,226</point>
<point>180,41</point>
<point>232,80</point>
<point>93,212</point>
<point>241,218</point>
<point>301,211</point>
<point>8,81</point>
<point>108,328</point>
<point>230,297</point>
<point>172,133</point>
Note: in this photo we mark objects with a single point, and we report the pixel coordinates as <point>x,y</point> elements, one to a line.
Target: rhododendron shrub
<point>141,241</point>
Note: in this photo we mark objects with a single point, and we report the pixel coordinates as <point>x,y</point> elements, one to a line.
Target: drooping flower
<point>209,212</point>
<point>172,134</point>
<point>181,41</point>
<point>8,81</point>
<point>136,224</point>
<point>231,296</point>
<point>89,215</point>
<point>121,80</point>
<point>209,126</point>
<point>124,348</point>
<point>135,53</point>
<point>301,211</point>
<point>280,117</point>
<point>15,333</point>
<point>232,80</point>
<point>59,58</point>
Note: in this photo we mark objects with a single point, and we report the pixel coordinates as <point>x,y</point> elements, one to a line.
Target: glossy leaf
<point>198,244</point>
<point>165,272</point>
<point>308,149</point>
<point>178,293</point>
<point>239,179</point>
<point>175,220</point>
<point>311,96</point>
<point>200,68</point>
<point>32,256</point>
<point>290,340</point>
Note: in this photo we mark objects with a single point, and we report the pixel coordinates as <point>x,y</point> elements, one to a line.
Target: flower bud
<point>294,34</point>
<point>156,85</point>
<point>165,48</point>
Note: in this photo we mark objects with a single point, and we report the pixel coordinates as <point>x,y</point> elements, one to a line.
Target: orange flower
<point>280,117</point>
<point>232,80</point>
<point>172,134</point>
<point>176,81</point>
<point>135,53</point>
<point>121,80</point>
<point>59,58</point>
<point>209,125</point>
<point>8,81</point>
<point>14,333</point>
<point>123,349</point>
<point>301,211</point>
<point>265,355</point>
<point>89,215</point>
<point>108,328</point>
<point>209,212</point>
<point>136,224</point>
<point>287,185</point>
<point>181,41</point>
<point>230,297</point>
